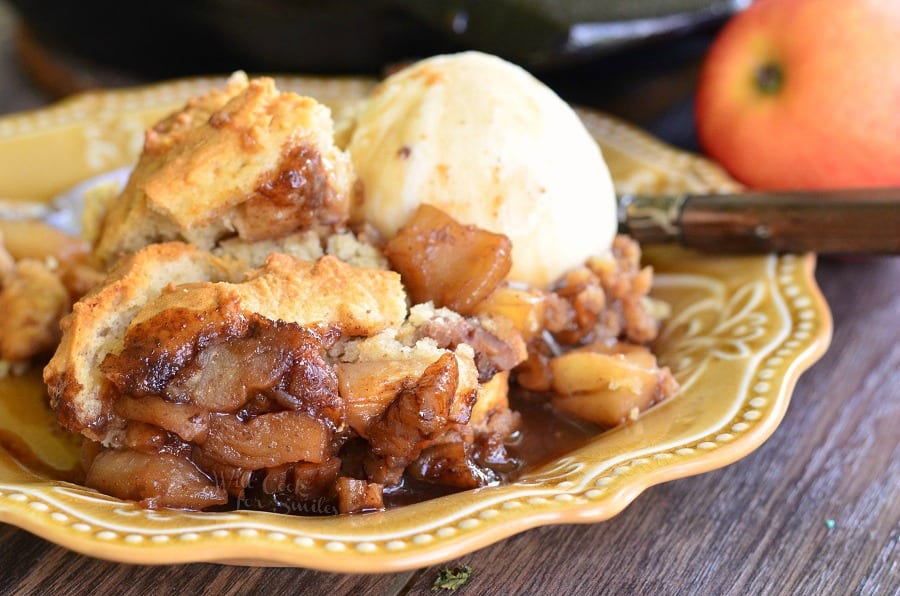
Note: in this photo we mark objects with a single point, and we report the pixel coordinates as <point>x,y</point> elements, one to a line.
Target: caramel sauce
<point>20,451</point>
<point>29,432</point>
<point>544,435</point>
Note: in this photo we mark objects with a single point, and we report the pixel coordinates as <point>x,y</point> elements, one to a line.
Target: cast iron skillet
<point>172,37</point>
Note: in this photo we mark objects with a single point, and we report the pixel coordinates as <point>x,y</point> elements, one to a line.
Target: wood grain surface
<point>759,526</point>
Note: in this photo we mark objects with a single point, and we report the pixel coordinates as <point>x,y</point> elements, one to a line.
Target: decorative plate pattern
<point>742,330</point>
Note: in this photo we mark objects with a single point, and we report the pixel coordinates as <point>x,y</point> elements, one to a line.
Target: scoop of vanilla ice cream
<point>492,146</point>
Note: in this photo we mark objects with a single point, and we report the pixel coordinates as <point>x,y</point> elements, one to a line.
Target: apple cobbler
<point>258,332</point>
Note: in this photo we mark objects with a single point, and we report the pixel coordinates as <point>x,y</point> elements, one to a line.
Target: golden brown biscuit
<point>98,323</point>
<point>248,161</point>
<point>326,294</point>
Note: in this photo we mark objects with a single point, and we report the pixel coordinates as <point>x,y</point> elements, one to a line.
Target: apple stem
<point>770,78</point>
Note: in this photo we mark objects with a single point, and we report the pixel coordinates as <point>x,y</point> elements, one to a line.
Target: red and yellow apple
<point>805,94</point>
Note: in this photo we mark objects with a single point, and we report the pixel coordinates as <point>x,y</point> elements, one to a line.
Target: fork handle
<point>864,221</point>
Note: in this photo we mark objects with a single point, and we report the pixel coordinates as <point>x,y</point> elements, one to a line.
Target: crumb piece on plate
<point>32,302</point>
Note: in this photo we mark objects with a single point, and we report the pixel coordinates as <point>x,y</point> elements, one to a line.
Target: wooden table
<point>757,526</point>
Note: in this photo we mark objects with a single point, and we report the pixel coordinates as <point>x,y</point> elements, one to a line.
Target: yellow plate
<point>742,331</point>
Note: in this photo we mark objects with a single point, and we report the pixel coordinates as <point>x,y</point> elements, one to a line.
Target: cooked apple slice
<point>525,308</point>
<point>493,396</point>
<point>608,384</point>
<point>446,262</point>
<point>370,387</point>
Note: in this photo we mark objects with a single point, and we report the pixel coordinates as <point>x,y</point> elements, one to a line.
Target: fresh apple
<point>805,94</point>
